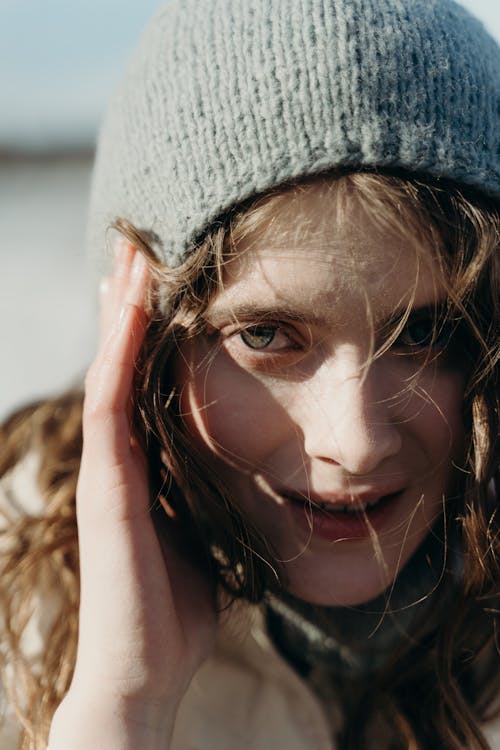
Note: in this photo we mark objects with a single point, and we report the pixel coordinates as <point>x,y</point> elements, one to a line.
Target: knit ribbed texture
<point>227,98</point>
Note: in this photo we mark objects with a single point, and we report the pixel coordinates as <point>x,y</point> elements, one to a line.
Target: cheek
<point>439,420</point>
<point>233,412</point>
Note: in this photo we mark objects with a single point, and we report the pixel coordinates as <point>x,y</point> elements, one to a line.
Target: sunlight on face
<point>344,467</point>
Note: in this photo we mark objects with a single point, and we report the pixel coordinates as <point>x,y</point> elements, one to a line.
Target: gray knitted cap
<point>224,99</point>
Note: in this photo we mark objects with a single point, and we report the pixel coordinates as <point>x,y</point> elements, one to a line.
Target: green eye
<point>258,337</point>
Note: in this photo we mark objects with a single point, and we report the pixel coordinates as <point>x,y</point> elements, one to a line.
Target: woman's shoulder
<point>270,704</point>
<point>246,694</point>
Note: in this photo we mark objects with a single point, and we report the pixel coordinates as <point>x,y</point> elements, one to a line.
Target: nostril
<point>357,446</point>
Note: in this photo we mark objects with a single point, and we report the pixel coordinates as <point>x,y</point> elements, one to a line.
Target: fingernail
<point>138,265</point>
<point>120,245</point>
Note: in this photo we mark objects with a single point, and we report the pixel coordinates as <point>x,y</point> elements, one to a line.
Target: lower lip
<point>341,526</point>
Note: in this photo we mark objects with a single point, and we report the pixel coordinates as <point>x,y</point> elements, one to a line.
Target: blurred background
<point>59,62</point>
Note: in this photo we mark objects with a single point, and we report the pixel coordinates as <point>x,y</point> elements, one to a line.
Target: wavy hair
<point>434,693</point>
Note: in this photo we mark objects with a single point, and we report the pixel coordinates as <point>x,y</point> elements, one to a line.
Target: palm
<point>146,618</point>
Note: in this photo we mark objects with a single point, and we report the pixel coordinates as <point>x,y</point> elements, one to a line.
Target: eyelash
<point>436,337</point>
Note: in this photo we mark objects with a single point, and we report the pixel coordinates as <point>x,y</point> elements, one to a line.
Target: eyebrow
<point>255,311</point>
<point>241,311</point>
<point>249,310</point>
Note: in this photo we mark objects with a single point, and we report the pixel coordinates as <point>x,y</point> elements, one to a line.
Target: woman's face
<point>343,466</point>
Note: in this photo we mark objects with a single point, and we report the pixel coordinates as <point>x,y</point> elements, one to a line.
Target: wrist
<point>83,723</point>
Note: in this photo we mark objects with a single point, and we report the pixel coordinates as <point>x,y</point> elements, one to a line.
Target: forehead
<point>315,250</point>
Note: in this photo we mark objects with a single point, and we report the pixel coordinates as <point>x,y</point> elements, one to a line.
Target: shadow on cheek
<point>232,414</point>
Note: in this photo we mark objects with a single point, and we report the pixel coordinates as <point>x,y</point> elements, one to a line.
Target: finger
<point>104,322</point>
<point>122,344</point>
<point>113,287</point>
<point>109,381</point>
<point>125,253</point>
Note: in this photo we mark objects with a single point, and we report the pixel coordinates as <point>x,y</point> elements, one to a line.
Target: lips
<point>342,516</point>
<point>349,501</point>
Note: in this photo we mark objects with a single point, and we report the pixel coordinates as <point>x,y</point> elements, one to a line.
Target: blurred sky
<point>59,61</point>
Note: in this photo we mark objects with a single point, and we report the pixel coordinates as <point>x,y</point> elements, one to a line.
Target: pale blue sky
<point>59,60</point>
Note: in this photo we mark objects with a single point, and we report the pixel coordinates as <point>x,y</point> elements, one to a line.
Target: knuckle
<point>102,415</point>
<point>97,411</point>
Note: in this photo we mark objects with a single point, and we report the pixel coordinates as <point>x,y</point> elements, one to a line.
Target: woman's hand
<point>146,619</point>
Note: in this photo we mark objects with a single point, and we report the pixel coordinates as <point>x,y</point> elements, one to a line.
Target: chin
<point>346,584</point>
<point>345,597</point>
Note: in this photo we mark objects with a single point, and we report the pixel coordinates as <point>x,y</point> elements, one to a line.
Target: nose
<point>349,417</point>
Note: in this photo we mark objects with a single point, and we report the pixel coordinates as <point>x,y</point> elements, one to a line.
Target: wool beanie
<point>225,99</point>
